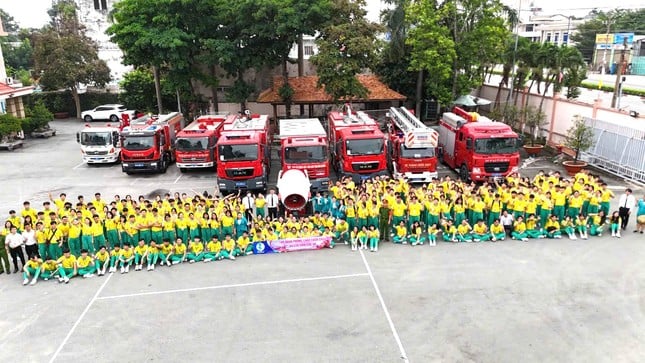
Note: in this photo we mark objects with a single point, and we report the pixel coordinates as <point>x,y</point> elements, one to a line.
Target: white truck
<point>100,145</point>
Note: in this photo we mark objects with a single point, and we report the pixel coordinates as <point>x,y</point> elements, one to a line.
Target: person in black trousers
<point>14,241</point>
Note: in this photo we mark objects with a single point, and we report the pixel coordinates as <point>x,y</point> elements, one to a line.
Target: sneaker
<point>494,239</point>
<point>525,239</point>
<point>599,234</point>
<point>208,259</point>
<point>477,240</point>
<point>152,267</point>
<point>249,253</point>
<point>86,276</point>
<point>573,237</point>
<point>127,268</point>
<point>60,279</point>
<point>557,237</point>
<point>66,279</point>
<point>90,275</point>
<point>175,262</point>
<point>618,235</point>
<point>191,261</point>
<point>25,282</point>
<point>405,242</point>
<point>232,257</point>
<point>46,279</point>
<point>122,269</point>
<point>375,249</point>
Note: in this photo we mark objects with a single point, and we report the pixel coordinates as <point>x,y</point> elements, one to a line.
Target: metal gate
<point>618,149</point>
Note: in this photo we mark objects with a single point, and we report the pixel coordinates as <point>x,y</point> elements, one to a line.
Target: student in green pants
<point>196,249</point>
<point>519,230</point>
<point>374,236</point>
<point>66,266</point>
<point>114,258</point>
<point>126,258</point>
<point>153,255</point>
<point>213,250</point>
<point>102,260</point>
<point>552,228</point>
<point>86,236</point>
<point>31,270</point>
<point>85,264</point>
<point>597,224</point>
<point>48,270</point>
<point>497,231</point>
<point>401,233</point>
<point>140,255</point>
<point>98,234</point>
<point>165,251</point>
<point>480,232</point>
<point>179,252</point>
<point>111,230</point>
<point>416,234</point>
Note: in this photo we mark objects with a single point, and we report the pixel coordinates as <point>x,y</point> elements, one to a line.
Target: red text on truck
<point>476,146</point>
<point>304,146</point>
<point>412,147</point>
<point>196,143</point>
<point>148,143</point>
<point>357,145</point>
<point>243,153</point>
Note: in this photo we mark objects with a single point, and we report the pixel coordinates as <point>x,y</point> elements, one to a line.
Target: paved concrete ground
<point>488,302</point>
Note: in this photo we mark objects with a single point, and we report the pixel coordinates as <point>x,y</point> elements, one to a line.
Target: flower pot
<point>60,115</point>
<point>533,150</point>
<point>574,167</point>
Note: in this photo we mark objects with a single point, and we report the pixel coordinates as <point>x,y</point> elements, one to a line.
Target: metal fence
<point>618,149</point>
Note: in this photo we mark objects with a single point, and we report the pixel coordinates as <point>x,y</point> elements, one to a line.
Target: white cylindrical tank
<point>294,189</point>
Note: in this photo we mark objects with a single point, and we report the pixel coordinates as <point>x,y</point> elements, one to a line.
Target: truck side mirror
<point>469,144</point>
<point>78,137</point>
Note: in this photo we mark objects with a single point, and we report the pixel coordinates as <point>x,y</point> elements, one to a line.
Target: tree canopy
<point>64,55</point>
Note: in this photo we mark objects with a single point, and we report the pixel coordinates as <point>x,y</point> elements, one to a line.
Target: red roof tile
<point>306,90</point>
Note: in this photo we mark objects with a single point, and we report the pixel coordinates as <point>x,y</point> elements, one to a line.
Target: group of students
<point>94,237</point>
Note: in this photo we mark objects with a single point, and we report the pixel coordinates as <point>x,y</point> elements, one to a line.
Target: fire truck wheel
<point>463,173</point>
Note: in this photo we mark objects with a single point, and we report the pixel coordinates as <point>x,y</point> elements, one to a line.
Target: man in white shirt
<point>249,206</point>
<point>272,204</point>
<point>626,203</point>
<point>14,241</point>
<point>506,220</point>
<point>29,237</point>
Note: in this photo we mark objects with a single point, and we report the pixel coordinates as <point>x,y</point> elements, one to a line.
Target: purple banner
<point>299,244</point>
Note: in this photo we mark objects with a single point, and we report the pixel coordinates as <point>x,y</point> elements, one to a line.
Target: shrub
<point>8,125</point>
<point>38,117</point>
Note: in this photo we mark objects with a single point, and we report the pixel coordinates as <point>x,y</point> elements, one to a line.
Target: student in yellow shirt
<point>581,226</point>
<point>32,270</point>
<point>126,258</point>
<point>140,255</point>
<point>401,235</point>
<point>463,232</point>
<point>229,247</point>
<point>85,264</point>
<point>48,270</point>
<point>532,228</point>
<point>480,232</point>
<point>414,210</point>
<point>519,230</point>
<point>98,236</point>
<point>552,228</point>
<point>575,205</point>
<point>559,202</point>
<point>196,251</point>
<point>86,234</point>
<point>165,251</point>
<point>497,231</point>
<point>227,222</point>
<point>168,229</point>
<point>102,258</point>
<point>179,252</point>
<point>416,234</point>
<point>66,266</point>
<point>398,211</point>
<point>568,226</point>
<point>374,237</point>
<point>432,235</point>
<point>213,250</point>
<point>244,246</point>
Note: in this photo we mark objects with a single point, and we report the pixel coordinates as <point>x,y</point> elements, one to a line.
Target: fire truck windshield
<point>96,138</point>
<point>418,153</point>
<point>305,154</point>
<point>138,142</point>
<point>192,144</point>
<point>498,145</point>
<point>238,152</point>
<point>364,147</point>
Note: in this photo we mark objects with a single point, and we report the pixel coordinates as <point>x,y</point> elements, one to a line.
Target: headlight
<point>153,164</point>
<point>477,170</point>
<point>125,165</point>
<point>515,169</point>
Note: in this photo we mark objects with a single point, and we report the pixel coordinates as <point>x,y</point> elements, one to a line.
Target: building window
<point>529,27</point>
<point>565,38</point>
<point>548,37</point>
<point>556,35</point>
<point>100,4</point>
<point>309,50</point>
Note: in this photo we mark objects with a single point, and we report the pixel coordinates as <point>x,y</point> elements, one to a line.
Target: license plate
<point>497,175</point>
<point>96,158</point>
<point>138,165</point>
<point>364,177</point>
<point>238,184</point>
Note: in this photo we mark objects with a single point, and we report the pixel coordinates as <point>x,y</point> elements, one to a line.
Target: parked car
<point>110,112</point>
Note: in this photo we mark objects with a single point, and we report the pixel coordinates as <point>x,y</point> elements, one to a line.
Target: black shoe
<point>15,271</point>
<point>1,272</point>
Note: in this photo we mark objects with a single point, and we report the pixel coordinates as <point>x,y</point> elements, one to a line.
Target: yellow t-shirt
<point>214,246</point>
<point>141,250</point>
<point>126,253</point>
<point>67,262</point>
<point>180,249</point>
<point>196,247</point>
<point>102,255</point>
<point>83,262</point>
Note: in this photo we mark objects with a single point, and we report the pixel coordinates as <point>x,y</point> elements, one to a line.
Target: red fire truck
<point>476,146</point>
<point>412,147</point>
<point>304,146</point>
<point>196,143</point>
<point>358,145</point>
<point>243,153</point>
<point>148,143</point>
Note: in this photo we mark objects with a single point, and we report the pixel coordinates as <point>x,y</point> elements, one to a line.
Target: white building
<point>555,28</point>
<point>93,14</point>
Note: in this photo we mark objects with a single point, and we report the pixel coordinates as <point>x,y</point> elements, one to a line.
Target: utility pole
<point>620,69</point>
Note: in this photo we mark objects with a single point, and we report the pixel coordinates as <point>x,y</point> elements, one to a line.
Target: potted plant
<point>580,137</point>
<point>534,119</point>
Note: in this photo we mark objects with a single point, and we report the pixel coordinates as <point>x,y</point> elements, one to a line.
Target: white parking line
<point>217,287</point>
<point>78,321</point>
<point>134,181</point>
<point>179,177</point>
<point>78,166</point>
<point>404,356</point>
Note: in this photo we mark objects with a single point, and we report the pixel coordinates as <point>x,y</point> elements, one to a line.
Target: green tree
<point>20,56</point>
<point>8,22</point>
<point>65,56</point>
<point>347,47</point>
